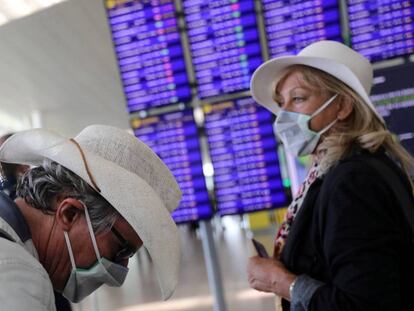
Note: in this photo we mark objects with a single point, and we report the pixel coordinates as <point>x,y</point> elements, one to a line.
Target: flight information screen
<point>224,44</point>
<point>150,56</point>
<point>393,95</point>
<point>243,150</point>
<point>381,29</point>
<point>291,25</point>
<point>173,136</point>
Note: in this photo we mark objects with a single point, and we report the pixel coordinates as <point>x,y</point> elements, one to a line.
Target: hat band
<point>86,165</point>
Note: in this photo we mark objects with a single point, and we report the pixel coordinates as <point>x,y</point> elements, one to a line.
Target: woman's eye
<point>298,99</point>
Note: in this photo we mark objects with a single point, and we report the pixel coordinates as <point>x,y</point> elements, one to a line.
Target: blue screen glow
<point>243,150</point>
<point>291,25</point>
<point>150,56</point>
<point>393,96</point>
<point>381,29</point>
<point>224,44</point>
<point>173,137</point>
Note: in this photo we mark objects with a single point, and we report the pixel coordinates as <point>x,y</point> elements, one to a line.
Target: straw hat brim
<point>128,193</point>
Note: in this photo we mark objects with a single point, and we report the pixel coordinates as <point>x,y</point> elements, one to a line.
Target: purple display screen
<point>393,96</point>
<point>173,136</point>
<point>149,52</point>
<point>243,150</point>
<point>290,25</point>
<point>224,43</point>
<point>381,29</point>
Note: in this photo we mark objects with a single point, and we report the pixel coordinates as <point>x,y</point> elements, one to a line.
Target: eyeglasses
<point>126,251</point>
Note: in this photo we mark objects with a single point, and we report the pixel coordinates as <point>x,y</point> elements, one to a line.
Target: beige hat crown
<point>133,155</point>
<point>337,52</point>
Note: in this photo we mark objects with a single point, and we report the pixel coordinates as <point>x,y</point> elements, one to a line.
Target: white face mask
<point>293,130</point>
<point>82,282</point>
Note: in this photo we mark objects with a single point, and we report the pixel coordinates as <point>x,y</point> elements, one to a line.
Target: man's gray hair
<point>39,187</point>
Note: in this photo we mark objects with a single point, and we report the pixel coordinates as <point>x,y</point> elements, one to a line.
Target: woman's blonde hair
<point>362,127</point>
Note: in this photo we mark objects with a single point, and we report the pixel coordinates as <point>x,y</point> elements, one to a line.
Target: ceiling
<point>58,64</point>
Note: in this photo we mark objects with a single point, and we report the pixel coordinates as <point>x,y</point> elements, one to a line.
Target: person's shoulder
<point>24,283</point>
<point>15,256</point>
<point>359,165</point>
<point>358,173</point>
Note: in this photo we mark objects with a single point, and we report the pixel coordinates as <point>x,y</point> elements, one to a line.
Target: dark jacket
<point>350,234</point>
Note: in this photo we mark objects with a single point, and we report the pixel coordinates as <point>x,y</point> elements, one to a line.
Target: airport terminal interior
<point>233,245</point>
<point>176,74</point>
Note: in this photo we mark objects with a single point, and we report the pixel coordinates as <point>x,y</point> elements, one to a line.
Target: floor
<point>140,291</point>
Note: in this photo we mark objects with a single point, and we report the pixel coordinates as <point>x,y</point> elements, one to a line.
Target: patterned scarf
<point>294,208</point>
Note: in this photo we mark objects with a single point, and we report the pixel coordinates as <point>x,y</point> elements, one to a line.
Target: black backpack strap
<point>10,213</point>
<point>404,197</point>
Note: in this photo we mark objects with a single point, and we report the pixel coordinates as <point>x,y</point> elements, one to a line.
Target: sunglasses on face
<point>126,250</point>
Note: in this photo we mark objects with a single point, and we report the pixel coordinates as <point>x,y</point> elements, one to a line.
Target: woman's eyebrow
<point>304,88</point>
<point>278,95</point>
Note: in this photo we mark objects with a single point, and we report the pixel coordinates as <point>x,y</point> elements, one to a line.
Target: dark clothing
<point>8,186</point>
<point>61,303</point>
<point>351,234</point>
<point>11,214</point>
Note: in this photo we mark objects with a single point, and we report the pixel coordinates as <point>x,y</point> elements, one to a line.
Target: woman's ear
<point>345,108</point>
<point>68,211</point>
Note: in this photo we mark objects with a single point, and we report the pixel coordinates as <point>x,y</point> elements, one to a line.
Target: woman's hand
<point>269,275</point>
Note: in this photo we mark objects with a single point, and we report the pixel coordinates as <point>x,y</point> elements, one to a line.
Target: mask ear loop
<point>90,229</point>
<point>323,106</point>
<point>88,221</point>
<point>72,259</point>
<point>327,127</point>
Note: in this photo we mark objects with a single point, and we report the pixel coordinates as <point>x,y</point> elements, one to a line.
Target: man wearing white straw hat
<point>85,207</point>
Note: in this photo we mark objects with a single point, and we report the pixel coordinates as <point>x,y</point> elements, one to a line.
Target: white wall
<point>60,64</point>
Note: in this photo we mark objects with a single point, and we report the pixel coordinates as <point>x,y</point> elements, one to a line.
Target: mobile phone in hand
<point>260,249</point>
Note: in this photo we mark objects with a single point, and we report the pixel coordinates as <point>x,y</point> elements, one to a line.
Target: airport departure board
<point>243,151</point>
<point>291,24</point>
<point>393,95</point>
<point>224,44</point>
<point>149,51</point>
<point>381,29</point>
<point>173,136</point>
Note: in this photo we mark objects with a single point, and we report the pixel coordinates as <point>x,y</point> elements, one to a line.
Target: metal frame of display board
<point>212,265</point>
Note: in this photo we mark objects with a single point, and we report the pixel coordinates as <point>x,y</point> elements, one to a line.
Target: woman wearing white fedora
<point>347,239</point>
<point>87,206</point>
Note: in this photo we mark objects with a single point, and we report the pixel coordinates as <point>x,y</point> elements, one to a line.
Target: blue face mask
<point>82,282</point>
<point>293,130</point>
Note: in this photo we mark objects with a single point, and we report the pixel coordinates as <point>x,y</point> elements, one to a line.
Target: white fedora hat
<point>129,175</point>
<point>332,57</point>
